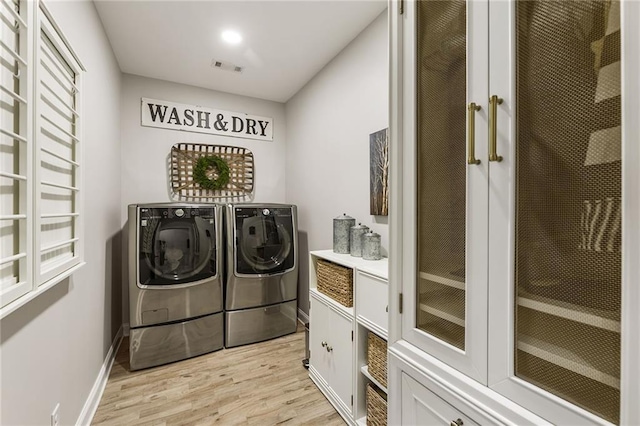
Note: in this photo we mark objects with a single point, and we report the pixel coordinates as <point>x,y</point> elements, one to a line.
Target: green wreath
<point>200,172</point>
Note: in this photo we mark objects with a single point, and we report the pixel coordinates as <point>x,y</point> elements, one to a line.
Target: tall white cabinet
<point>515,244</point>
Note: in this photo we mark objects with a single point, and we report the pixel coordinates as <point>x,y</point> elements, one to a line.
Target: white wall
<point>328,126</point>
<point>53,347</point>
<point>145,150</point>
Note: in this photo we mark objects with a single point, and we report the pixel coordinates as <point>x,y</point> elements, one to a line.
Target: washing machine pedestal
<point>165,343</point>
<point>263,323</point>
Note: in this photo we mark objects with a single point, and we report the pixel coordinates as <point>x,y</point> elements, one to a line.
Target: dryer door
<point>264,241</point>
<point>177,246</point>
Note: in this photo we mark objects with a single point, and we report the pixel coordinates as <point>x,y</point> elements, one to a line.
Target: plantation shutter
<point>57,157</point>
<point>16,145</point>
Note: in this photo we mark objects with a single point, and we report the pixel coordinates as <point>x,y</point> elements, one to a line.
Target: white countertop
<point>379,268</point>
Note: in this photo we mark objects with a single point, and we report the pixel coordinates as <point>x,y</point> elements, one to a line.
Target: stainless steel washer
<point>262,272</point>
<point>175,282</point>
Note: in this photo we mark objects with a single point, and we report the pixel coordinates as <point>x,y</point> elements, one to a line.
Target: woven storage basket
<point>336,282</point>
<point>377,358</point>
<point>376,407</point>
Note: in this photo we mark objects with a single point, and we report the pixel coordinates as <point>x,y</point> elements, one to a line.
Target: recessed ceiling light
<point>231,37</point>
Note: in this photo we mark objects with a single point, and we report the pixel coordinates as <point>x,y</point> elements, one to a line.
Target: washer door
<point>176,250</point>
<point>264,241</point>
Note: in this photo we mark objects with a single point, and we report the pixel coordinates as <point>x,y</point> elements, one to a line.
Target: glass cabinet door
<point>450,191</point>
<point>568,201</point>
<point>565,278</point>
<point>442,169</point>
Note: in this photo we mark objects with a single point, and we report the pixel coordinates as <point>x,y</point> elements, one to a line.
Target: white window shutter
<point>16,151</point>
<point>57,155</point>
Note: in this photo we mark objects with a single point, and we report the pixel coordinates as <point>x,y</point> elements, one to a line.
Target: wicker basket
<point>377,358</point>
<point>376,407</point>
<point>336,282</point>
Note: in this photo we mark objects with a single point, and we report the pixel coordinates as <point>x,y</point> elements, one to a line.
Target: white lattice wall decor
<point>183,159</point>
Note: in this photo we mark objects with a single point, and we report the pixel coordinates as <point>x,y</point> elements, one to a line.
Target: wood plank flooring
<point>260,384</point>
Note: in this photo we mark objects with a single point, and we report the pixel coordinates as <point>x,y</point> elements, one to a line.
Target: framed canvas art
<point>379,172</point>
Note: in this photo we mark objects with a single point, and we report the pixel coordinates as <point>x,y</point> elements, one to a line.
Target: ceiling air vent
<point>225,66</point>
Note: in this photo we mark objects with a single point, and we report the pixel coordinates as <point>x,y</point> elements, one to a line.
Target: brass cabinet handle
<point>471,141</point>
<point>494,101</point>
<point>458,422</point>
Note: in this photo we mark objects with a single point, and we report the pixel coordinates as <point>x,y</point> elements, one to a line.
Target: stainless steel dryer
<point>175,282</point>
<point>262,272</point>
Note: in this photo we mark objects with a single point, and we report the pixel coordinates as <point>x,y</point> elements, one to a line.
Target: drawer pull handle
<point>324,344</point>
<point>387,308</point>
<point>329,349</point>
<point>458,422</point>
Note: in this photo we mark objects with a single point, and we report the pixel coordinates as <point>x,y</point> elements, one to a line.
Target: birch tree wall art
<point>379,172</point>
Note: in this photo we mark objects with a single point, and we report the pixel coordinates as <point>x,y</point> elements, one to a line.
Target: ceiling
<point>285,43</point>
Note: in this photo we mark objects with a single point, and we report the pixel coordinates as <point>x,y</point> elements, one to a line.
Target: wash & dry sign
<point>193,118</point>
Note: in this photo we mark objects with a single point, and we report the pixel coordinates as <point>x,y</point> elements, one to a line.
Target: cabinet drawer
<point>420,406</point>
<point>372,299</point>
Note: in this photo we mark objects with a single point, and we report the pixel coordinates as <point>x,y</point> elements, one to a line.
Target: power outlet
<point>55,416</point>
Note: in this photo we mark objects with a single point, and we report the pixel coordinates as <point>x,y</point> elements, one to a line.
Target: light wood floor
<point>260,384</point>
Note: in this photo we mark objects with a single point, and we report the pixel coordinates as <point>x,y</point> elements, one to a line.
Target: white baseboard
<point>92,402</point>
<point>302,316</point>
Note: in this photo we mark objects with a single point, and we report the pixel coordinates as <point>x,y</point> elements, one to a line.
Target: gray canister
<point>341,227</point>
<point>355,240</point>
<point>371,246</point>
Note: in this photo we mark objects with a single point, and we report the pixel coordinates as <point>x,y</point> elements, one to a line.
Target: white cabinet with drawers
<point>338,334</point>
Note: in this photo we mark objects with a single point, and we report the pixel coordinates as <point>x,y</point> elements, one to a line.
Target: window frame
<point>35,20</point>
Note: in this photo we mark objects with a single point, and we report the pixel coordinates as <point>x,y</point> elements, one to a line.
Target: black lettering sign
<point>194,118</point>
